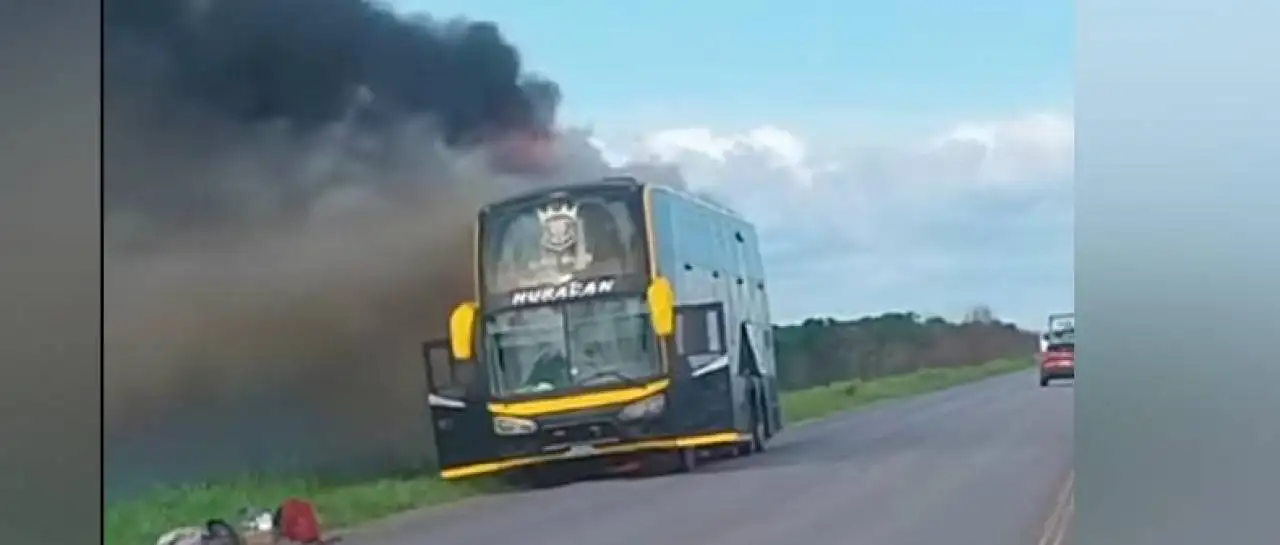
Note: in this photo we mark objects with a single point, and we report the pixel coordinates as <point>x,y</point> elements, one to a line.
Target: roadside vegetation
<point>826,366</point>
<point>820,401</point>
<point>340,504</point>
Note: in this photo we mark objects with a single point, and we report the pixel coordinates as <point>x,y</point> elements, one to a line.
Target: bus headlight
<point>645,408</point>
<point>506,425</point>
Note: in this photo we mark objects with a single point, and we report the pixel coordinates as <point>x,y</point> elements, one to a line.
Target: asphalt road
<point>987,463</point>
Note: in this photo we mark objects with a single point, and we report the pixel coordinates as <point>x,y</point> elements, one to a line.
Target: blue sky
<point>937,136</point>
<point>911,56</point>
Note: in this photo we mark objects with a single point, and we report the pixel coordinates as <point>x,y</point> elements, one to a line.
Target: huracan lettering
<point>563,292</point>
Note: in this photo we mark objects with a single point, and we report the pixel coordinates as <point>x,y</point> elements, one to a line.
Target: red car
<point>1058,360</point>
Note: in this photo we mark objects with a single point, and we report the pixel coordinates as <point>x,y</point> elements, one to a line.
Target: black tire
<point>759,431</point>
<point>538,477</point>
<point>1044,382</point>
<point>751,445</point>
<point>686,460</point>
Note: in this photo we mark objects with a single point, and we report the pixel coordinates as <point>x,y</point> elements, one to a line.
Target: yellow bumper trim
<point>591,400</point>
<point>722,438</point>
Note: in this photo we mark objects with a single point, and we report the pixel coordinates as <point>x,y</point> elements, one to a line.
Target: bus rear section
<point>571,353</point>
<point>712,257</point>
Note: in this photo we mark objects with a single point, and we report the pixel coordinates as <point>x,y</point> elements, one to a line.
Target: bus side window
<point>439,366</point>
<point>714,336</point>
<point>446,376</point>
<point>700,330</point>
<point>464,376</point>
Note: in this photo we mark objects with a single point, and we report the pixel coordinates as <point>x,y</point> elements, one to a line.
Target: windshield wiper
<point>621,378</point>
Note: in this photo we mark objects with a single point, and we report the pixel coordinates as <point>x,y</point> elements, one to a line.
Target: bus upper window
<point>548,242</point>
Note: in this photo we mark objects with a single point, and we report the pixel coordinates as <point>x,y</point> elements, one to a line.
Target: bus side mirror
<point>662,309</point>
<point>1045,336</point>
<point>462,327</point>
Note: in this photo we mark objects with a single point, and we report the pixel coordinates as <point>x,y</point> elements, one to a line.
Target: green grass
<point>343,505</point>
<point>802,405</point>
<point>141,521</point>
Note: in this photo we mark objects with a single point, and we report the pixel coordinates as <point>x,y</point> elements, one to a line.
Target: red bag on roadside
<point>298,521</point>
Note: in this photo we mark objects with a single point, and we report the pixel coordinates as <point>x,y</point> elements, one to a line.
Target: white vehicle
<point>1059,325</point>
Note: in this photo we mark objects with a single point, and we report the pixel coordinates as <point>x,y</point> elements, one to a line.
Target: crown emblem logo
<point>556,211</point>
<point>559,226</point>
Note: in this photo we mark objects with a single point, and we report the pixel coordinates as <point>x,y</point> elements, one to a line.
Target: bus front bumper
<point>581,451</point>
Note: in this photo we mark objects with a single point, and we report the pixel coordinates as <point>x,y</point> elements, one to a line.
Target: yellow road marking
<point>1055,528</point>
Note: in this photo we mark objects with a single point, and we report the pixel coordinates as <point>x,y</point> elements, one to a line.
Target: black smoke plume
<point>289,191</point>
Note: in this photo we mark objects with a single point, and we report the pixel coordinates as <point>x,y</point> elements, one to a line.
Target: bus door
<point>460,422</point>
<point>701,343</point>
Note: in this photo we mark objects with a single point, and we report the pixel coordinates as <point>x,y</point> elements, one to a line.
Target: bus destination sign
<point>568,291</point>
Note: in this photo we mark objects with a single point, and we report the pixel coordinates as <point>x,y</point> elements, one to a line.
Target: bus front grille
<point>586,432</point>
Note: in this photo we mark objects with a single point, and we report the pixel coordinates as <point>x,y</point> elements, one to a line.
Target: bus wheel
<point>537,477</point>
<point>686,460</point>
<point>759,435</point>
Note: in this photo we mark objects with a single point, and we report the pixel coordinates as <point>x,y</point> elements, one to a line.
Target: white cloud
<point>1029,149</point>
<point>980,211</point>
<point>775,147</point>
<point>611,157</point>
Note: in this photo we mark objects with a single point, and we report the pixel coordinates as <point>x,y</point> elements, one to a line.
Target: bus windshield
<point>584,343</point>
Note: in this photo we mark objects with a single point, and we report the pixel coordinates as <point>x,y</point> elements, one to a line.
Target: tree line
<point>820,351</point>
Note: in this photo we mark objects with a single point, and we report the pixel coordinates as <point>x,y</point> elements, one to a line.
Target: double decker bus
<point>614,322</point>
